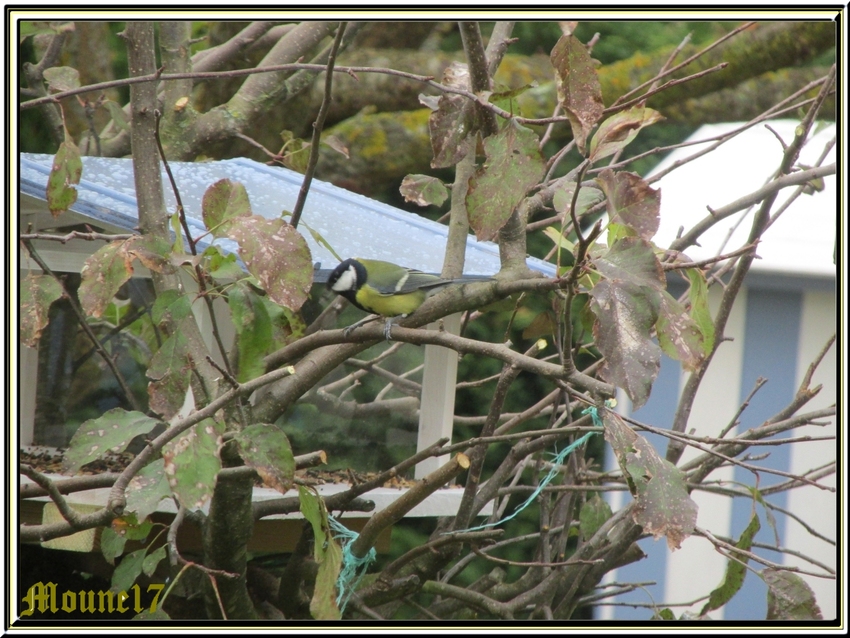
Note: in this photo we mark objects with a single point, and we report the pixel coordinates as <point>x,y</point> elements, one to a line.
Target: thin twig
<point>318,126</point>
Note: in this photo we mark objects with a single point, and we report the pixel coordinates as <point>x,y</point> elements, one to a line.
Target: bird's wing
<point>416,280</point>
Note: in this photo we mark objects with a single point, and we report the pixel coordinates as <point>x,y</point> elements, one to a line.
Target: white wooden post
<point>437,404</point>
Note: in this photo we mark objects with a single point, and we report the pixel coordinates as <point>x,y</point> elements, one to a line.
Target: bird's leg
<point>346,331</point>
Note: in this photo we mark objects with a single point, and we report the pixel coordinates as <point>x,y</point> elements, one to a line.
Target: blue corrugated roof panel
<point>354,225</point>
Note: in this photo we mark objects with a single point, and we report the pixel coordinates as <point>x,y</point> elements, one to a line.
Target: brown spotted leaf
<point>147,489</point>
<point>631,202</point>
<point>625,314</point>
<point>663,506</point>
<point>110,432</point>
<point>192,463</point>
<point>277,255</point>
<point>105,271</point>
<point>579,91</point>
<point>266,449</point>
<point>789,597</point>
<point>678,335</point>
<point>514,164</point>
<point>38,292</point>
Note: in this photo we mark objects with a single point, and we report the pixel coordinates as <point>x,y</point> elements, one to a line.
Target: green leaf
<point>296,155</point>
<point>423,190</point>
<point>664,614</point>
<point>789,597</point>
<point>678,334</point>
<point>736,569</point>
<point>112,431</point>
<point>223,268</point>
<point>149,564</point>
<point>266,449</point>
<point>111,544</point>
<point>64,175</point>
<point>579,90</point>
<point>277,255</point>
<point>319,239</point>
<point>663,506</point>
<point>542,325</point>
<point>117,114</point>
<point>631,201</point>
<point>192,463</point>
<point>625,314</point>
<point>38,292</point>
<point>615,133</point>
<point>170,307</point>
<point>562,198</point>
<point>253,330</point>
<point>327,553</point>
<point>128,571</point>
<point>593,515</point>
<point>170,373</point>
<point>513,165</point>
<point>700,313</point>
<point>631,260</point>
<point>224,202</point>
<point>62,78</point>
<point>147,489</point>
<point>157,614</point>
<point>130,527</point>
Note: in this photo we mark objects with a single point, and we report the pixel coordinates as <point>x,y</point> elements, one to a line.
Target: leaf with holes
<point>662,504</point>
<point>514,164</point>
<point>192,463</point>
<point>579,91</point>
<point>266,449</point>
<point>631,202</point>
<point>278,256</point>
<point>111,432</point>
<point>38,292</point>
<point>64,176</point>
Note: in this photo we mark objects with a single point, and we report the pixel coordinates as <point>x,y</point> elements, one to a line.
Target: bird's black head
<point>348,277</point>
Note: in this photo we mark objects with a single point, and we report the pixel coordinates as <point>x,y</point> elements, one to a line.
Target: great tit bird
<point>385,289</point>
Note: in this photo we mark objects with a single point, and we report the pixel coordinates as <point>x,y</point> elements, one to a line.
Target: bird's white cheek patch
<point>346,281</point>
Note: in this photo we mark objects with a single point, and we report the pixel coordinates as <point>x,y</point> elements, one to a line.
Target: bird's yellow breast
<point>389,305</point>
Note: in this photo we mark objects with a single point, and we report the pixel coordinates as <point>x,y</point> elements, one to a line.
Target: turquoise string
<point>353,568</point>
<point>557,462</point>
